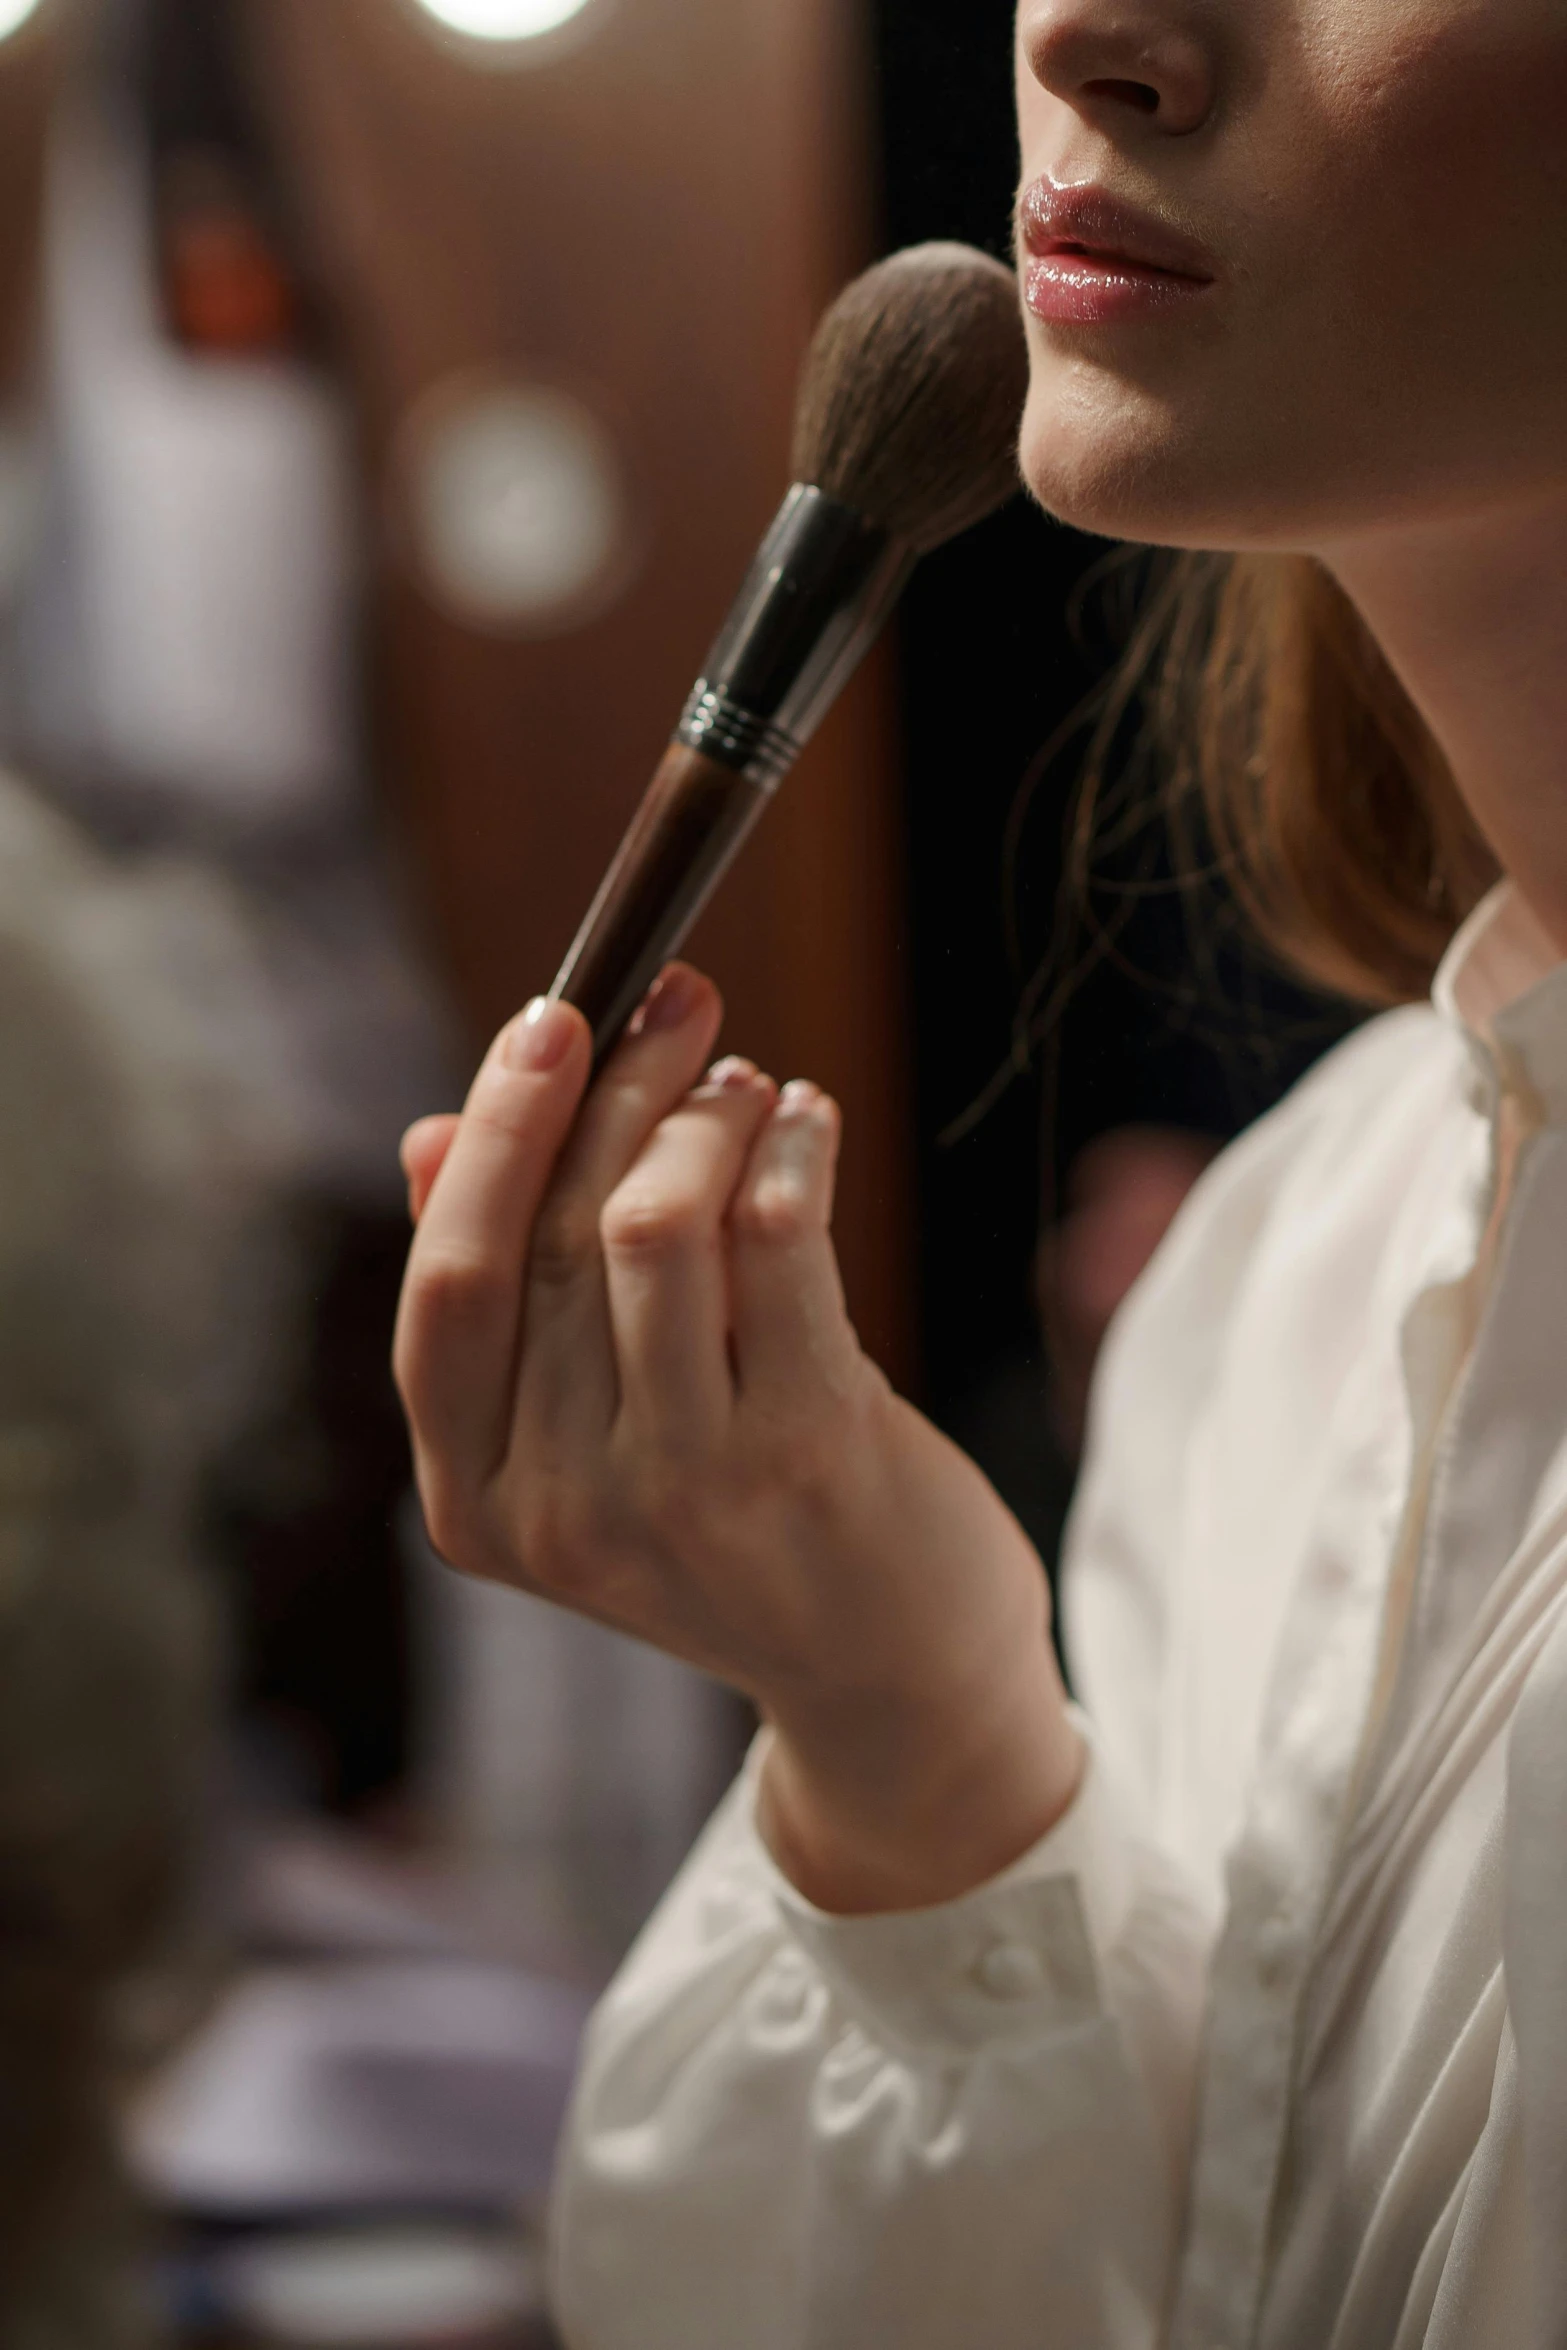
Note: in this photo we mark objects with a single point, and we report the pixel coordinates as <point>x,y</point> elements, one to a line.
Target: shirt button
<point>1011,1971</point>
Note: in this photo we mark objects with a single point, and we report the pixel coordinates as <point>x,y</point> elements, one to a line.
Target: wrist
<point>896,1807</point>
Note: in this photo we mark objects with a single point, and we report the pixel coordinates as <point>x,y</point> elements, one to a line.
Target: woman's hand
<point>634,1390</point>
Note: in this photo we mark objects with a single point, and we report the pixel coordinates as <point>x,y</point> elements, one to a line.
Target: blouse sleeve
<point>960,2125</point>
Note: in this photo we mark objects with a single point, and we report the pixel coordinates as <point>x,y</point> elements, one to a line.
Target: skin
<point>622,1347</point>
<point>1379,375</point>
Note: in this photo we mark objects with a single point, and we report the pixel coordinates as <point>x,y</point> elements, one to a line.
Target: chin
<point>1122,464</point>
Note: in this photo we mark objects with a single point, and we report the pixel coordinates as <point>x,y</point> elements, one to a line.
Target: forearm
<point>893,1805</point>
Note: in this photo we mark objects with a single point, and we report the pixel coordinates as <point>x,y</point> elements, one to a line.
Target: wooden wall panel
<point>652,216</point>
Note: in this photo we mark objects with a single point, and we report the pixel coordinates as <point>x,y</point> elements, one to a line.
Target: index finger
<point>458,1323</point>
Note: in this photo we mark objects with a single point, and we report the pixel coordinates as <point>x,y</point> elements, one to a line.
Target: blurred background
<point>391,393</point>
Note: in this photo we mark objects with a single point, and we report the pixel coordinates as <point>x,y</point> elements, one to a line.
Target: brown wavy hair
<point>1291,750</point>
<point>1253,749</point>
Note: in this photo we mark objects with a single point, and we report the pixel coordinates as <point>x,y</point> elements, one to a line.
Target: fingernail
<point>798,1097</point>
<point>670,1002</point>
<point>539,1038</point>
<point>733,1074</point>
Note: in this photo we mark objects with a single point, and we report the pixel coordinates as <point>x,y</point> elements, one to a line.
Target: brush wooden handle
<point>694,815</point>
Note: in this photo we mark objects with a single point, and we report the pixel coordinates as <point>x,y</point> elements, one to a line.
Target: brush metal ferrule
<point>712,722</point>
<point>821,587</point>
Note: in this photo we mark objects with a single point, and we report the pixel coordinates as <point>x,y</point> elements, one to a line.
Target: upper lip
<point>1083,218</point>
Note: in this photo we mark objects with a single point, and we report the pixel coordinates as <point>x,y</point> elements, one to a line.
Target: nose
<point>1119,61</point>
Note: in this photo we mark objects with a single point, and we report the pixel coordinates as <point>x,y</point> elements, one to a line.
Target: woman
<point>1229,2012</point>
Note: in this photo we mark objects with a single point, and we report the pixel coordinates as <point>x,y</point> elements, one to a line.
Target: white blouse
<point>1265,2046</point>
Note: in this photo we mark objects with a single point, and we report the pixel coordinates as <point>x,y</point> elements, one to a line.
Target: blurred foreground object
<point>131,1322</point>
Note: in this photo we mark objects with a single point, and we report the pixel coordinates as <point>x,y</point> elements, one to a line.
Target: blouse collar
<point>1503,985</point>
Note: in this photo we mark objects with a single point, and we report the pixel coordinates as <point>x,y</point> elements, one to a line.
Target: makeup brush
<point>906,433</point>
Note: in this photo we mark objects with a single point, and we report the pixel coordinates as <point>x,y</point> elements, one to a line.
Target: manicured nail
<point>799,1098</point>
<point>539,1038</point>
<point>734,1074</point>
<point>670,1003</point>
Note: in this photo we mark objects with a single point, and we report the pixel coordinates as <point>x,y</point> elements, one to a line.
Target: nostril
<point>1142,95</point>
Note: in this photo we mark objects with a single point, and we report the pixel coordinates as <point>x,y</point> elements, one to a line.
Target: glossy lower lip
<point>1075,288</point>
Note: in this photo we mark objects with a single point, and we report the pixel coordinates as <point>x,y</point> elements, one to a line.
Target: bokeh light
<point>494,20</point>
<point>517,504</point>
<point>15,13</point>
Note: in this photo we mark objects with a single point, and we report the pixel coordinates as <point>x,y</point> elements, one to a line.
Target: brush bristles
<point>912,395</point>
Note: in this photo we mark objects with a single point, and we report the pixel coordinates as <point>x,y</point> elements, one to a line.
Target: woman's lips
<point>1085,289</point>
<point>1089,258</point>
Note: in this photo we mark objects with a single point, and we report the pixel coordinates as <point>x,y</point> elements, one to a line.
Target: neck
<point>1472,616</point>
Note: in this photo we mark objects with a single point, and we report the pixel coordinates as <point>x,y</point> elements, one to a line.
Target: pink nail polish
<point>539,1039</point>
<point>799,1097</point>
<point>670,1003</point>
<point>733,1074</point>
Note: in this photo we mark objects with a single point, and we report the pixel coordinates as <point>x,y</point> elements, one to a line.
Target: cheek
<point>1434,162</point>
<point>1458,138</point>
